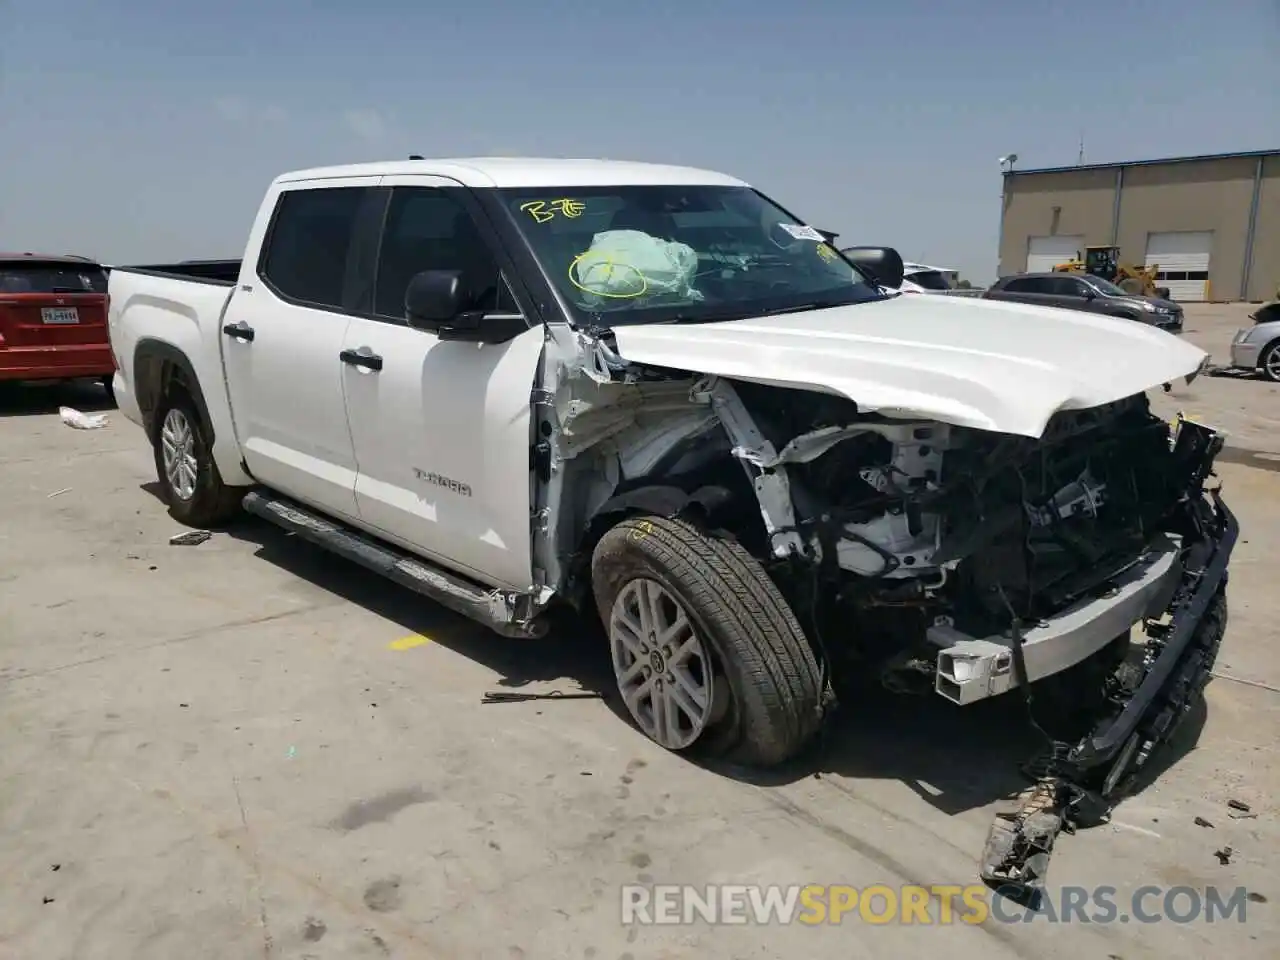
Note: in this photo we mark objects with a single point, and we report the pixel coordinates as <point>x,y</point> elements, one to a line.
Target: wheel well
<point>703,499</point>
<point>161,371</point>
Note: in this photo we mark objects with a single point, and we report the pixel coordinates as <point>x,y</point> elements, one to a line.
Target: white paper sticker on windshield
<point>802,233</point>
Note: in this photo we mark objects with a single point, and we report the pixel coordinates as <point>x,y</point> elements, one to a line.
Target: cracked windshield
<point>644,254</point>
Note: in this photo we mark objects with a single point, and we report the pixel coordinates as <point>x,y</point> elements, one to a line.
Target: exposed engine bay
<point>935,521</point>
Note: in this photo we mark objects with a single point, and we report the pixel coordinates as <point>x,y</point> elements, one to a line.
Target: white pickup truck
<point>653,393</point>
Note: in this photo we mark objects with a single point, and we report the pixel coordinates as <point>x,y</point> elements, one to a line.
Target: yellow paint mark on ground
<point>409,642</point>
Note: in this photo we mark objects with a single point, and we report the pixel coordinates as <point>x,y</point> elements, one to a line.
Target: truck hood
<point>997,366</point>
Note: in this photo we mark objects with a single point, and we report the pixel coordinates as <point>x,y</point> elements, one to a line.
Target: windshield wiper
<point>749,313</point>
<point>803,307</point>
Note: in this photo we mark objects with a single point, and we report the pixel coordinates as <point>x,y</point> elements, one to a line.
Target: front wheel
<point>706,652</point>
<point>192,486</point>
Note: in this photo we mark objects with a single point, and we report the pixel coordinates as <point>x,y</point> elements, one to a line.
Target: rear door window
<point>1022,285</point>
<point>52,278</point>
<point>305,260</point>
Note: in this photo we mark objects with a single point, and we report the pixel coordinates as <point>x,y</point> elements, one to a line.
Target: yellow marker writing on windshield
<point>544,210</point>
<point>826,252</point>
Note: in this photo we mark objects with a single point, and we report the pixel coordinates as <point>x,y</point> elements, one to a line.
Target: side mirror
<point>433,298</point>
<point>1089,293</point>
<point>881,264</point>
<point>439,302</point>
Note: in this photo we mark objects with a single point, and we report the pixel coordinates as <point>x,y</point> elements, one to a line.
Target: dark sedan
<point>1074,291</point>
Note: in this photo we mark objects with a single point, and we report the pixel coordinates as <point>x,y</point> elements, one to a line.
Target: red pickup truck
<point>53,319</point>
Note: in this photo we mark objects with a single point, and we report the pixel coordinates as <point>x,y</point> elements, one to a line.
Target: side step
<point>510,614</point>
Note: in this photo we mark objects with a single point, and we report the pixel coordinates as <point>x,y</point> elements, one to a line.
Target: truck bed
<point>170,315</point>
<point>222,272</point>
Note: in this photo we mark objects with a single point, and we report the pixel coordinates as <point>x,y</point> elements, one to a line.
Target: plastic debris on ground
<point>192,538</point>
<point>82,421</point>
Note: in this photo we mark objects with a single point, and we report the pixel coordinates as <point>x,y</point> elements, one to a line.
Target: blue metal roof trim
<point>1244,154</point>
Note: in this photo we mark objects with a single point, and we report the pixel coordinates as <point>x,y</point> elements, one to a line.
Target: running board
<point>505,612</point>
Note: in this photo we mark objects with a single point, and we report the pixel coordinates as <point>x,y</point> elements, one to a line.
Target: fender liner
<point>663,499</point>
<point>153,356</point>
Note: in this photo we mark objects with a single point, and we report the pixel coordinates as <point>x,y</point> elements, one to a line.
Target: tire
<point>207,501</point>
<point>764,696</point>
<point>1269,362</point>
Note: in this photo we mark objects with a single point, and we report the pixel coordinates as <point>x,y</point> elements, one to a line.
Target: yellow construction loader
<point>1105,262</point>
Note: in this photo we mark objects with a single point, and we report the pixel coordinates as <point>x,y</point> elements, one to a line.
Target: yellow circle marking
<point>826,253</point>
<point>610,265</point>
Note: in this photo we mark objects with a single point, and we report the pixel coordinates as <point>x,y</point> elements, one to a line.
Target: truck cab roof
<point>480,172</point>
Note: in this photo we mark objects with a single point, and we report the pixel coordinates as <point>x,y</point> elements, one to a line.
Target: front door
<point>281,338</point>
<point>442,429</point>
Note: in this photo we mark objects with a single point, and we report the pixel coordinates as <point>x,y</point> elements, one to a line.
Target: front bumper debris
<point>971,669</point>
<point>1078,784</point>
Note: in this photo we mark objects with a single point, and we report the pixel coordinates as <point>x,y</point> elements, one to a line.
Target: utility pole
<point>1080,157</point>
<point>1006,168</point>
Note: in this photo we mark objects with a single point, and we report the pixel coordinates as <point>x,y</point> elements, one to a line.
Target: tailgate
<point>52,304</point>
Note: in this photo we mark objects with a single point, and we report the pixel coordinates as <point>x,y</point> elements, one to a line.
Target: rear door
<point>52,303</point>
<point>281,335</point>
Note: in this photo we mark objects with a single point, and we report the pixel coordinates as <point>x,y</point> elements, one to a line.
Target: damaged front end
<point>941,558</point>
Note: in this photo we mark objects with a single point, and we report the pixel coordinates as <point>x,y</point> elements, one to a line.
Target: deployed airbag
<point>628,264</point>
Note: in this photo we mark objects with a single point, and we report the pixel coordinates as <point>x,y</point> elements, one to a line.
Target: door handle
<point>364,357</point>
<point>239,331</point>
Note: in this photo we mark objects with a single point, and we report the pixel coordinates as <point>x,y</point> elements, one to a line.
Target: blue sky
<point>142,131</point>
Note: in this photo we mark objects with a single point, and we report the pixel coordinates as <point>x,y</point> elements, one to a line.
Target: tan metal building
<point>1212,223</point>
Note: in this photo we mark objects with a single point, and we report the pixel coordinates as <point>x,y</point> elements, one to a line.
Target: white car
<point>650,392</point>
<point>922,278</point>
<point>918,277</point>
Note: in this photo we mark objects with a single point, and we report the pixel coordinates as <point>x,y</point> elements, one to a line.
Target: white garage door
<point>1183,259</point>
<point>1044,253</point>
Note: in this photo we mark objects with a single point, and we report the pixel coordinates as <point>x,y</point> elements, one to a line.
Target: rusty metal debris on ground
<point>504,696</point>
<point>192,538</point>
<point>1239,810</point>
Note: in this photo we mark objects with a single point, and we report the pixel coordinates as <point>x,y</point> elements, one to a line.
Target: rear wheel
<point>1269,362</point>
<point>192,486</point>
<point>706,652</point>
